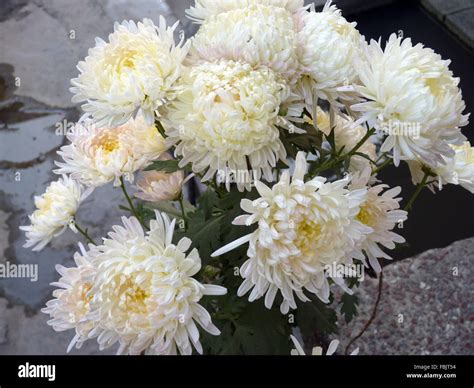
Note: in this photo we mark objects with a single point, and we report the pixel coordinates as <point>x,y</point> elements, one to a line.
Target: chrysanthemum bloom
<point>318,350</point>
<point>145,296</point>
<point>97,156</point>
<point>347,135</point>
<point>327,47</point>
<point>458,170</point>
<point>302,228</point>
<point>381,212</point>
<point>227,114</point>
<point>155,186</point>
<point>413,97</point>
<point>71,304</point>
<point>55,211</point>
<point>203,9</point>
<point>257,34</point>
<point>134,71</point>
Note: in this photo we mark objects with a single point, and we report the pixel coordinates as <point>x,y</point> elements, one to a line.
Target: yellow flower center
<point>127,60</point>
<point>307,235</point>
<point>365,216</point>
<point>434,85</point>
<point>108,142</point>
<point>134,296</point>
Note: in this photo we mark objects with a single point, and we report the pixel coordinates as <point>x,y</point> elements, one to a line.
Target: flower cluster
<point>137,289</point>
<point>284,109</point>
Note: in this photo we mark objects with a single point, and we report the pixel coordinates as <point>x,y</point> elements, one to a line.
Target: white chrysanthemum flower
<point>227,115</point>
<point>97,156</point>
<point>134,71</point>
<point>144,293</point>
<point>71,304</point>
<point>327,47</point>
<point>155,186</point>
<point>413,97</point>
<point>318,350</point>
<point>347,135</point>
<point>258,34</point>
<point>302,228</point>
<point>204,9</point>
<point>458,170</point>
<point>55,211</point>
<point>381,212</point>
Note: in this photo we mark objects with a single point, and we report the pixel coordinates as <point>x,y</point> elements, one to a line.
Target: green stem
<point>130,203</point>
<point>417,192</point>
<point>361,142</point>
<point>84,233</point>
<point>183,213</point>
<point>335,162</point>
<point>386,163</point>
<point>160,128</point>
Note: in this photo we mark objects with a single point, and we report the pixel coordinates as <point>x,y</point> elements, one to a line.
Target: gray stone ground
<point>426,306</point>
<point>37,60</point>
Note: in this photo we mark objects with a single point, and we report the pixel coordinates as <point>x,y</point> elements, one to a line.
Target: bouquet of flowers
<point>258,144</point>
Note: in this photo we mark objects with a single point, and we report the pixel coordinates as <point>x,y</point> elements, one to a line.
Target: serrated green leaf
<point>349,306</point>
<point>207,202</point>
<point>315,316</point>
<point>204,233</point>
<point>164,165</point>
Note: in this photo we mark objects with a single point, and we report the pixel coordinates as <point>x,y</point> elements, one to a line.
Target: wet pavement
<point>40,43</point>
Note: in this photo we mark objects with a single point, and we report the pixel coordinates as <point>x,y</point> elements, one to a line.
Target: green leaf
<point>264,331</point>
<point>308,141</point>
<point>207,202</point>
<point>349,306</point>
<point>315,316</point>
<point>204,233</point>
<point>164,165</point>
<point>255,331</point>
<point>291,150</point>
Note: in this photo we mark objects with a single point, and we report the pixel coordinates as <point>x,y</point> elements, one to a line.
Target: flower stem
<point>386,163</point>
<point>84,233</point>
<point>130,203</point>
<point>335,162</point>
<point>372,317</point>
<point>418,190</point>
<point>183,213</point>
<point>160,128</point>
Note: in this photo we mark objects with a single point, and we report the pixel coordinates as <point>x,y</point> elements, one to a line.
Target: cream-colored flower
<point>226,116</point>
<point>327,47</point>
<point>134,71</point>
<point>258,34</point>
<point>71,304</point>
<point>347,135</point>
<point>302,228</point>
<point>318,350</point>
<point>144,293</point>
<point>381,212</point>
<point>55,211</point>
<point>458,170</point>
<point>97,156</point>
<point>412,96</point>
<point>203,9</point>
<point>155,186</point>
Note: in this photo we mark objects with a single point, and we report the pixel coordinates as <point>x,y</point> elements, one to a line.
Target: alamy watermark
<point>246,177</point>
<point>338,270</point>
<point>410,129</point>
<point>19,271</point>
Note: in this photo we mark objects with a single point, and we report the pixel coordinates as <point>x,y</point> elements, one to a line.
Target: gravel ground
<point>426,305</point>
